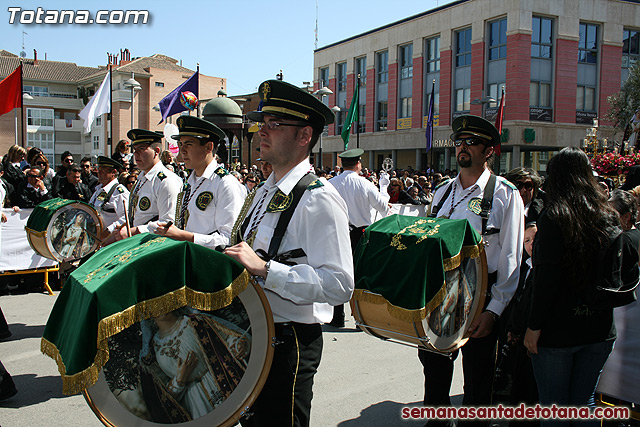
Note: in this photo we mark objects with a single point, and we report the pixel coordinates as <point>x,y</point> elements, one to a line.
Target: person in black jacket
<point>72,187</point>
<point>31,192</point>
<point>88,178</point>
<point>568,338</point>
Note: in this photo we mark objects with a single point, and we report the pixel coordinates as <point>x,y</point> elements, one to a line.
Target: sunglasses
<point>33,176</point>
<point>275,125</point>
<point>41,163</point>
<point>251,180</point>
<point>525,185</point>
<point>469,142</point>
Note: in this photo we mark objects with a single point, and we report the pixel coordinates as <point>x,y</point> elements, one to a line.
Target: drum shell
<point>373,315</point>
<point>111,413</point>
<point>42,223</point>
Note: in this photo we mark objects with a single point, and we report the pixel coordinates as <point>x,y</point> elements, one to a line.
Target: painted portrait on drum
<point>452,314</point>
<point>74,233</point>
<point>179,366</point>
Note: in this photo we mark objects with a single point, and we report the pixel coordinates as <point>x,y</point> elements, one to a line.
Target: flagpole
<point>110,108</point>
<point>198,71</point>
<point>21,106</point>
<point>358,117</point>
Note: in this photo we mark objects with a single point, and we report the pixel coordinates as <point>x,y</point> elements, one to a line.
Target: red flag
<point>11,91</point>
<point>499,123</point>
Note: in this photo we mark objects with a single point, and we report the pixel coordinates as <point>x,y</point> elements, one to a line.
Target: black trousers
<point>478,364</point>
<point>355,234</point>
<point>285,399</point>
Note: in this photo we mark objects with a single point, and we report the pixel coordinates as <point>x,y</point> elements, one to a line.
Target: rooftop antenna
<point>23,54</point>
<point>316,25</point>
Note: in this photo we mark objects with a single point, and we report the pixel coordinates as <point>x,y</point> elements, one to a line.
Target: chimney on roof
<point>125,56</point>
<point>35,57</point>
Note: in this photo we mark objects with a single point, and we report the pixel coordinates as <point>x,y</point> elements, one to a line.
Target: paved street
<point>362,381</point>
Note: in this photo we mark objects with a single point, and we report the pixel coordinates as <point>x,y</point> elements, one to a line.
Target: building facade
<point>58,91</point>
<point>557,62</point>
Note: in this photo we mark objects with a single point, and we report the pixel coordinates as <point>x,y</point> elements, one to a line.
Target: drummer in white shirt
<point>110,196</point>
<point>365,204</point>
<point>211,198</point>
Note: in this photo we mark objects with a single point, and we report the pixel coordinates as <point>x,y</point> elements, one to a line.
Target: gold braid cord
<point>109,326</point>
<point>235,236</point>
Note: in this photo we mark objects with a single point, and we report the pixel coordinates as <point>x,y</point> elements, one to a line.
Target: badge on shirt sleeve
<point>474,205</point>
<point>102,196</point>
<point>280,202</point>
<point>204,199</point>
<point>145,203</point>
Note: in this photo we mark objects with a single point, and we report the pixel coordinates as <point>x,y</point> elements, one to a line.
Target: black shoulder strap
<point>109,194</point>
<point>285,216</point>
<point>436,208</point>
<point>487,202</point>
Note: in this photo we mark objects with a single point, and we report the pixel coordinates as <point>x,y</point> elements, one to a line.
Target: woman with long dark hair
<point>569,341</point>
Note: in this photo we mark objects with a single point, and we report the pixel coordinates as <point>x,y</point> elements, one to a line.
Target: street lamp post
<point>483,102</point>
<point>320,94</point>
<point>133,85</point>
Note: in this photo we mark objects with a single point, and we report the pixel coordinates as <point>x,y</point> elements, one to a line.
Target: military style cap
<point>198,128</point>
<point>354,154</point>
<point>285,100</point>
<point>476,126</point>
<point>143,136</point>
<point>108,161</point>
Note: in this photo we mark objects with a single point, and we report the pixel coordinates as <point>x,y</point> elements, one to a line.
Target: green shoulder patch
<point>509,184</point>
<point>120,189</point>
<point>315,184</point>
<point>260,184</point>
<point>161,175</point>
<point>221,172</point>
<point>441,184</point>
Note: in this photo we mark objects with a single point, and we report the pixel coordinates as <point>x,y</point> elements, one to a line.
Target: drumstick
<point>126,217</point>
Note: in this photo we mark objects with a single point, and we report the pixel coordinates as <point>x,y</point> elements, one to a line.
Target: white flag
<point>98,105</point>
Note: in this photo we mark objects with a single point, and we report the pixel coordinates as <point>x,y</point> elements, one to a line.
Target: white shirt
<point>319,226</point>
<point>214,204</point>
<point>157,196</point>
<point>112,212</point>
<point>503,249</point>
<point>362,197</point>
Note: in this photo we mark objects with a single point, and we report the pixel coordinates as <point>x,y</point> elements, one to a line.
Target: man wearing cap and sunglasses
<point>494,208</point>
<point>294,238</point>
<point>109,196</point>
<point>211,198</point>
<point>155,194</point>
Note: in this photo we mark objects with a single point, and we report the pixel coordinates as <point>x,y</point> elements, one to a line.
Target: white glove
<point>384,180</point>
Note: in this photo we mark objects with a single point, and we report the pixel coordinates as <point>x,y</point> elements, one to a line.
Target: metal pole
<point>358,117</point>
<point>320,150</point>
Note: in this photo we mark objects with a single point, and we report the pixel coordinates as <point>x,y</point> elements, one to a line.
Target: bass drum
<point>227,354</point>
<point>439,293</point>
<point>444,329</point>
<point>62,229</point>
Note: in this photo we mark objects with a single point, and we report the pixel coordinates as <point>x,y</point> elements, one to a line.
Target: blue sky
<point>244,41</point>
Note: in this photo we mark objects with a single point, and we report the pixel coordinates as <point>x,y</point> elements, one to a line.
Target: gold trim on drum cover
<point>418,315</point>
<point>117,322</point>
<point>294,113</point>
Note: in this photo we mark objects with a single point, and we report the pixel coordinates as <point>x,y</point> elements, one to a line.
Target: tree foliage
<point>622,105</point>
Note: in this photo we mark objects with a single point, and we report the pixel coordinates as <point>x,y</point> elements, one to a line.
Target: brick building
<point>558,61</point>
<point>59,91</point>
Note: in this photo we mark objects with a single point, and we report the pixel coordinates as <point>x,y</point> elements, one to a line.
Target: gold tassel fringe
<point>112,325</point>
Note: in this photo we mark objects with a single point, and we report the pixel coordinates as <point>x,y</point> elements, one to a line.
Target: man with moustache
<point>109,196</point>
<point>295,240</point>
<point>502,232</point>
<point>211,198</point>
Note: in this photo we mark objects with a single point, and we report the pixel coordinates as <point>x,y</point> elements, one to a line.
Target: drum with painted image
<point>420,281</point>
<point>62,229</point>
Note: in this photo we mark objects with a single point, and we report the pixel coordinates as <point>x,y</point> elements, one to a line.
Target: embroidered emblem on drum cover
<point>280,202</point>
<point>204,199</point>
<point>474,205</point>
<point>145,204</point>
